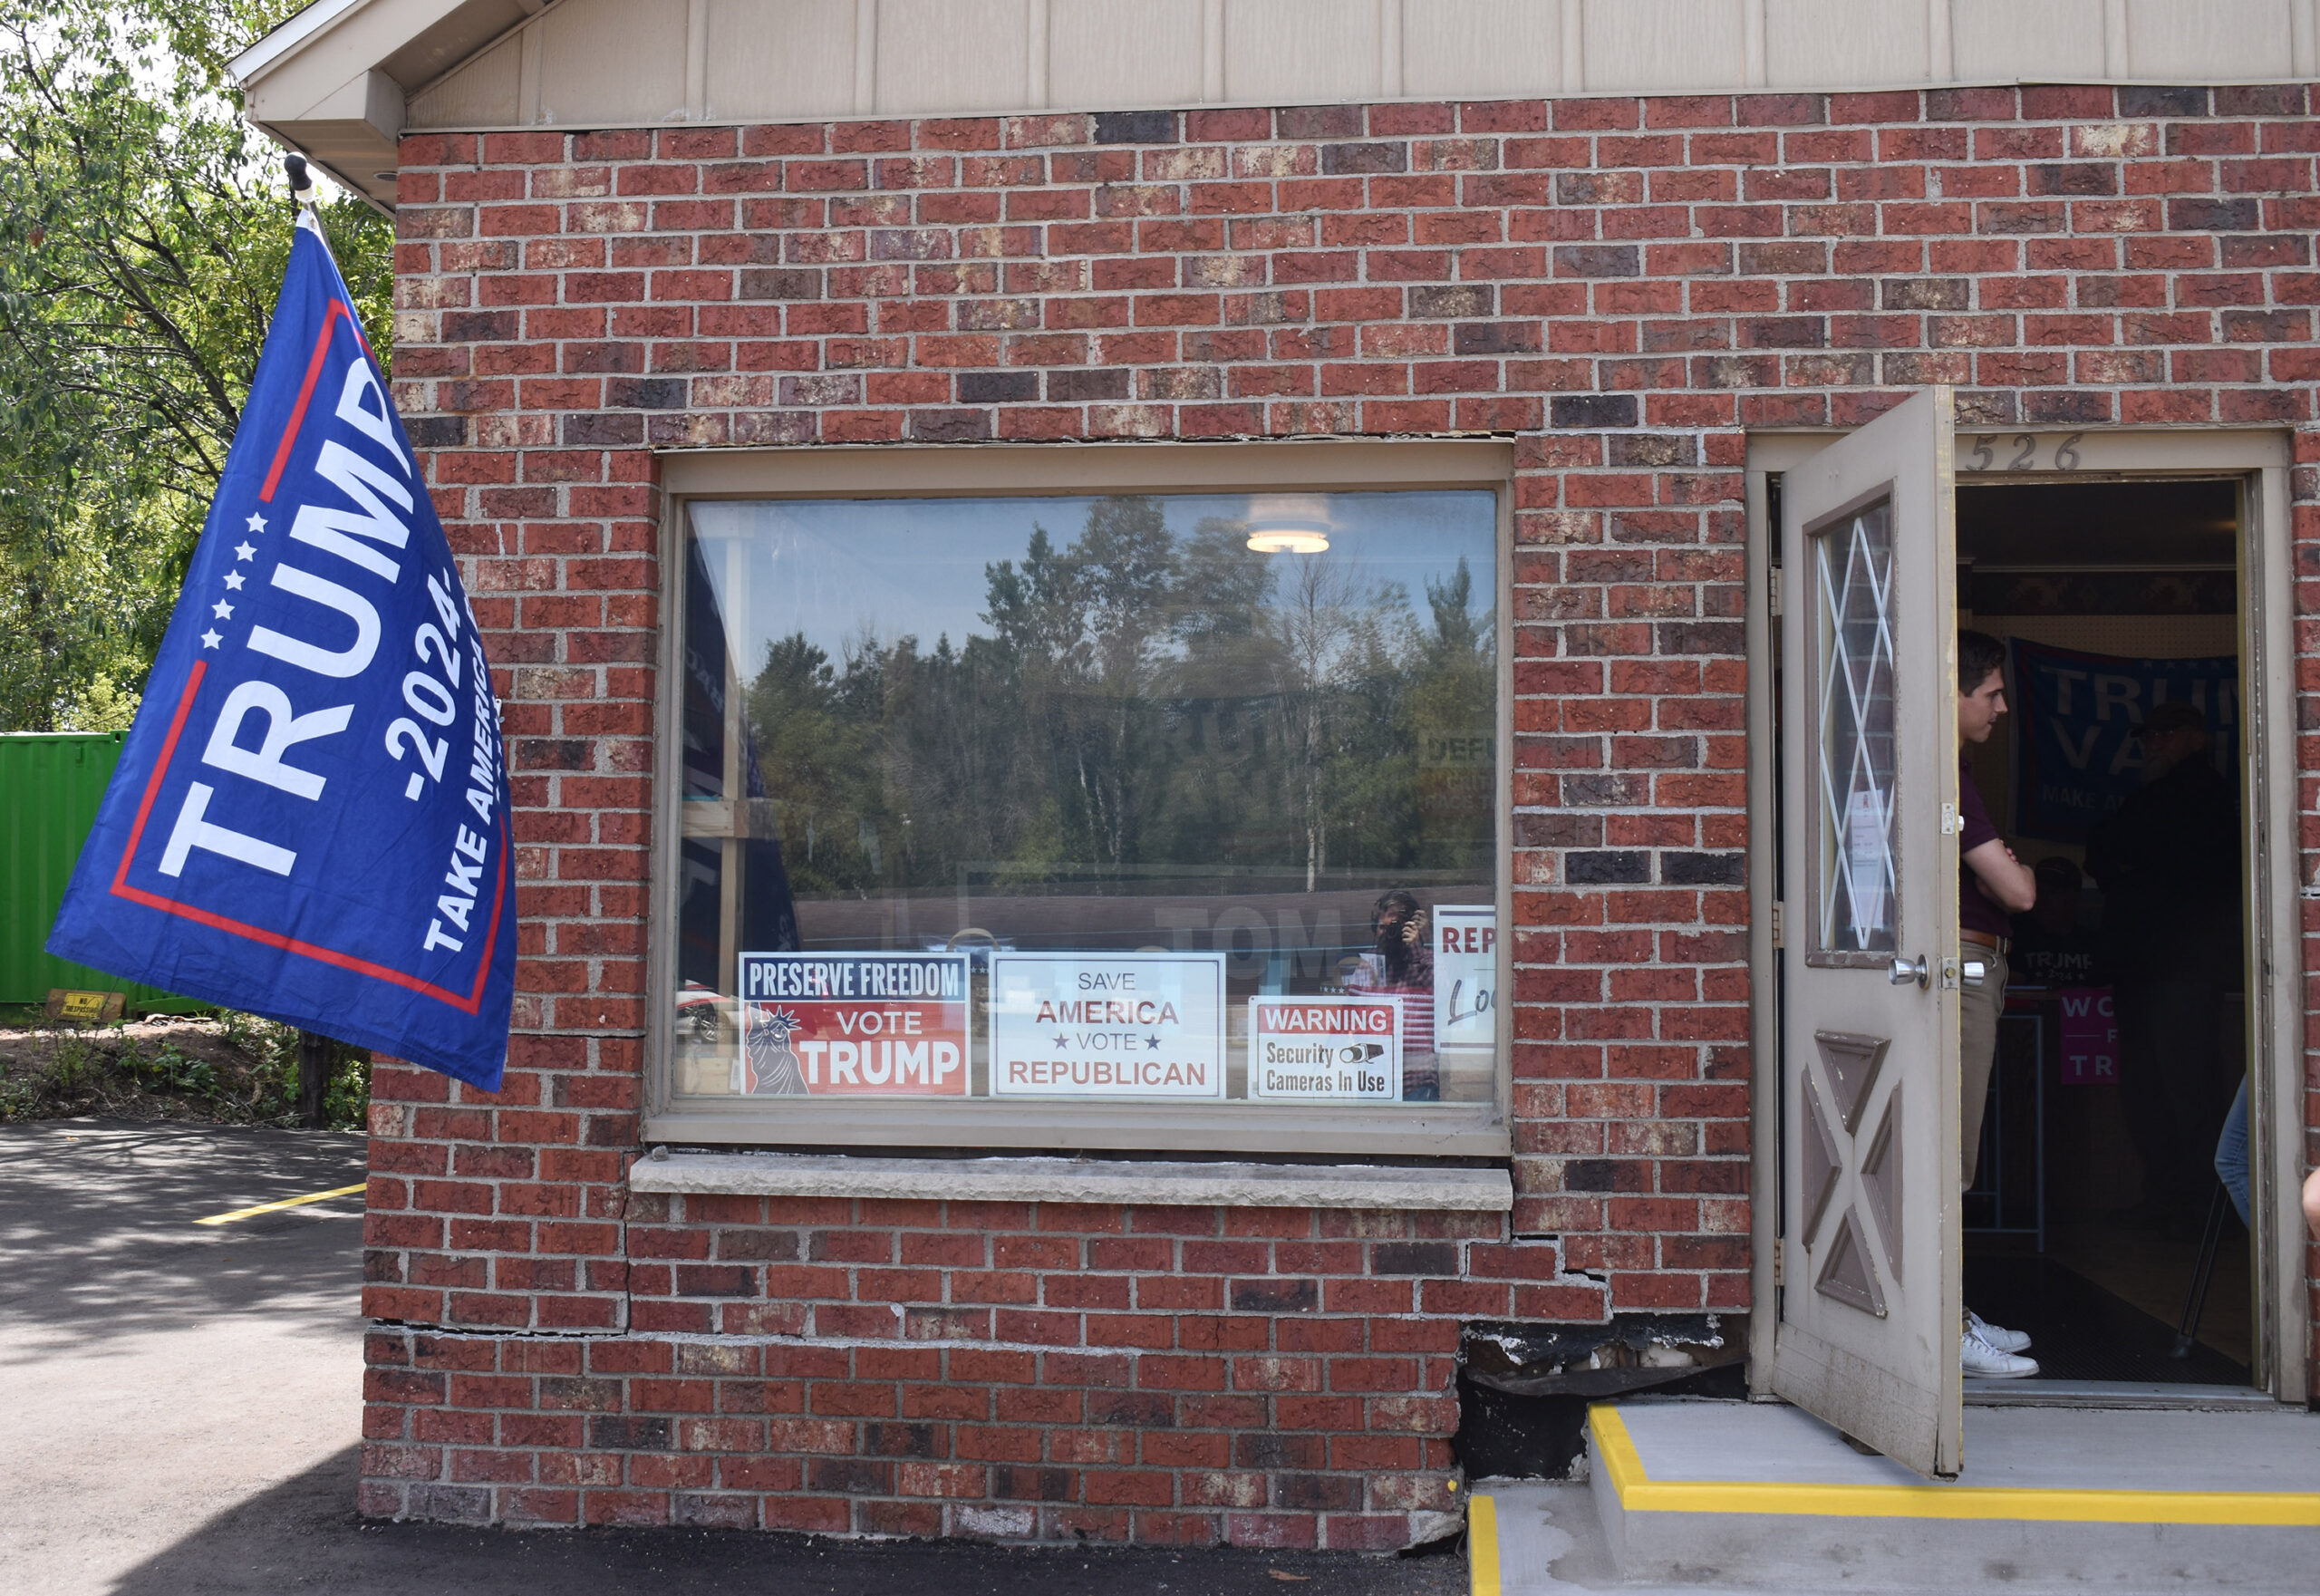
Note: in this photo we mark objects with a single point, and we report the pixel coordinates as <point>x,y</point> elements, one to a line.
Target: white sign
<point>1347,1050</point>
<point>1466,976</point>
<point>1107,1025</point>
<point>1865,863</point>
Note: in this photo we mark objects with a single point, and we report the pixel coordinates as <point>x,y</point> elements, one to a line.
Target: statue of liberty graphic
<point>772,1067</point>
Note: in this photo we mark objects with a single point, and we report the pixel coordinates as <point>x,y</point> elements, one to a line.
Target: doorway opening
<point>2098,1222</point>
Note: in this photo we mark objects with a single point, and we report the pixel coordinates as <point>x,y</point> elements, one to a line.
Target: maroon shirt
<point>1974,911</point>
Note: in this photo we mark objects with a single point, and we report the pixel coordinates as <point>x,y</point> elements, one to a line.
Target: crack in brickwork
<point>1625,286</point>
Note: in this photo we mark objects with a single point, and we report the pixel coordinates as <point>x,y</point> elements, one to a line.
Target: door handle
<point>1906,971</point>
<point>1975,972</point>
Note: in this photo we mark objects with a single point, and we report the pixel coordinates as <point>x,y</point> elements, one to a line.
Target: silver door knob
<point>1975,972</point>
<point>1906,971</point>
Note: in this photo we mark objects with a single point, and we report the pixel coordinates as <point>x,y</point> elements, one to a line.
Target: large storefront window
<point>1139,799</point>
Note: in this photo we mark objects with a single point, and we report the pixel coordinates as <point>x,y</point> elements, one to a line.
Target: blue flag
<point>310,816</point>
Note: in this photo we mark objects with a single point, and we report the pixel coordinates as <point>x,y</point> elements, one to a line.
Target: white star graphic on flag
<point>243,551</point>
<point>222,610</point>
<point>210,640</point>
<point>256,522</point>
<point>234,580</point>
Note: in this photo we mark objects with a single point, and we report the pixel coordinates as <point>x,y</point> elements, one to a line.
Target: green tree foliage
<point>1143,708</point>
<point>143,231</point>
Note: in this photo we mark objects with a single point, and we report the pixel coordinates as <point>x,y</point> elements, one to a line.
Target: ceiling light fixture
<point>1296,524</point>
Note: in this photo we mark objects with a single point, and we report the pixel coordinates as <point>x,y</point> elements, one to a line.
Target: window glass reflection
<point>1141,771</point>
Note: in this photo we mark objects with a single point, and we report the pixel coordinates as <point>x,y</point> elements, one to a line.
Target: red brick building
<point>1631,319</point>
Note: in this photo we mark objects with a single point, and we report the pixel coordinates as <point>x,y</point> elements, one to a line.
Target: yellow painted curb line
<point>1616,1455</point>
<point>1482,1544</point>
<point>285,1203</point>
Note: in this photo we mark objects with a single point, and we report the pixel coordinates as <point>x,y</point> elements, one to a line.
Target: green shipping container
<point>50,786</point>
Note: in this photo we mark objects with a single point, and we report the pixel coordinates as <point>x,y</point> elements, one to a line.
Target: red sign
<point>852,1025</point>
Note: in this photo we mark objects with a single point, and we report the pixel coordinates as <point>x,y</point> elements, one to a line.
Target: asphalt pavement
<point>181,1404</point>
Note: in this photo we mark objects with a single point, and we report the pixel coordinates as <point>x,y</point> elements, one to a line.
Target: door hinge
<point>1780,930</point>
<point>1780,1261</point>
<point>1949,819</point>
<point>1771,582</point>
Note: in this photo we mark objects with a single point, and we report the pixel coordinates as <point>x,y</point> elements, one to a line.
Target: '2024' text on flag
<point>310,816</point>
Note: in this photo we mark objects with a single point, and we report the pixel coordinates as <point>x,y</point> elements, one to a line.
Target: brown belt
<point>1983,939</point>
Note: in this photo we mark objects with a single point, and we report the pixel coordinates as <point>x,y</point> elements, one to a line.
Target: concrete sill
<point>1071,1180</point>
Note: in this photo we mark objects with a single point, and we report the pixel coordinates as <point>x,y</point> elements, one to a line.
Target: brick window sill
<point>1069,1180</point>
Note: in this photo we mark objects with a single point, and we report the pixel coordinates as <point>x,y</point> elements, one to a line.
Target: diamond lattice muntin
<point>1852,568</point>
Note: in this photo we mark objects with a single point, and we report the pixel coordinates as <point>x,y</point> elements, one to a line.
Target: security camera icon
<point>1361,1052</point>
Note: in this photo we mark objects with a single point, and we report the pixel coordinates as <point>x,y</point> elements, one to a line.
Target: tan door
<point>1869,1301</point>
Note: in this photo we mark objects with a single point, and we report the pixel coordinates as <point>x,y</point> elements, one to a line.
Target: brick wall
<point>1270,1376</point>
<point>1625,285</point>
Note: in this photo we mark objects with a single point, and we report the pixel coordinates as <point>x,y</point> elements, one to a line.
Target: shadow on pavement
<point>302,1535</point>
<point>97,1238</point>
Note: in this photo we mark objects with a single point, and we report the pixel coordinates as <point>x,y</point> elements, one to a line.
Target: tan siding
<point>951,55</point>
<point>2057,40</point>
<point>615,62</point>
<point>1639,46</point>
<point>1838,44</point>
<point>1125,52</point>
<point>2194,44</point>
<point>1295,51</point>
<point>801,64</point>
<point>481,93</point>
<point>1461,49</point>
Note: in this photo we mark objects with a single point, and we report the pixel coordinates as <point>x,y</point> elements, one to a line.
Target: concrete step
<point>1763,1496</point>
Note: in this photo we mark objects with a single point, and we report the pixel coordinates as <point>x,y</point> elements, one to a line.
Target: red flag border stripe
<point>306,393</point>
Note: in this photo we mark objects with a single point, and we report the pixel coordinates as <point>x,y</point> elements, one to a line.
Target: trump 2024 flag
<point>310,816</point>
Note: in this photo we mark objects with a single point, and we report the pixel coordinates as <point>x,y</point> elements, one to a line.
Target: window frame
<point>993,469</point>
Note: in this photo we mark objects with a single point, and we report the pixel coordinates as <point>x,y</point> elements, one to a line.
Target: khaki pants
<point>1978,1008</point>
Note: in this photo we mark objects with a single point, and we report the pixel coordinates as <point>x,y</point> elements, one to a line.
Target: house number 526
<point>2021,453</point>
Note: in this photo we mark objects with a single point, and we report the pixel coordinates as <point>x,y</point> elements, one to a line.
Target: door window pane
<point>1137,799</point>
<point>1852,576</point>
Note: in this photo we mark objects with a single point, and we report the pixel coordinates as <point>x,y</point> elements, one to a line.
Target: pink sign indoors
<point>2089,1037</point>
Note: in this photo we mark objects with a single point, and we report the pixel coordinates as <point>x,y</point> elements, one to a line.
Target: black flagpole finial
<point>302,182</point>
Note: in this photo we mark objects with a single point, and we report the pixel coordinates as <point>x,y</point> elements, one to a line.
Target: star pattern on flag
<point>210,640</point>
<point>243,551</point>
<point>234,581</point>
<point>256,522</point>
<point>222,610</point>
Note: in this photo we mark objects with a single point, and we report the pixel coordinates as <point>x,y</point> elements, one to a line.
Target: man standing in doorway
<point>1992,884</point>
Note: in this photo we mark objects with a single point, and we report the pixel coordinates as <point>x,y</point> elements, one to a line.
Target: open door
<point>1870,1296</point>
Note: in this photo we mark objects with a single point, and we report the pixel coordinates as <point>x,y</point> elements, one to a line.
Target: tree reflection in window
<point>1136,696</point>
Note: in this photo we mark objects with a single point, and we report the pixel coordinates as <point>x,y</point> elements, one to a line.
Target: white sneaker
<point>1999,1336</point>
<point>1983,1361</point>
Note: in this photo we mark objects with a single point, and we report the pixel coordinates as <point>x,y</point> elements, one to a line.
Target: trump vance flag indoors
<point>310,816</point>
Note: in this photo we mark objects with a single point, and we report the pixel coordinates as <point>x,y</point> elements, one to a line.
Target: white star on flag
<point>210,640</point>
<point>234,581</point>
<point>243,551</point>
<point>222,610</point>
<point>256,522</point>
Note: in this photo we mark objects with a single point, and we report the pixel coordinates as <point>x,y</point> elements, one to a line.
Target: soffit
<point>489,65</point>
